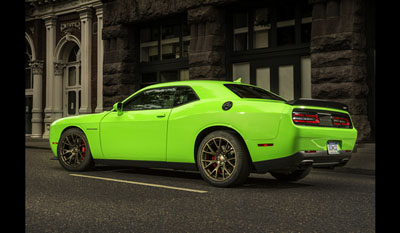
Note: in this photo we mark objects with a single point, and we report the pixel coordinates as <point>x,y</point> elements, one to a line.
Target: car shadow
<point>268,183</point>
<point>251,183</point>
<point>151,172</point>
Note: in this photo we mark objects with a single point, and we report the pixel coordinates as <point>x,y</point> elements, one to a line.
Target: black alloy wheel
<point>73,151</point>
<point>223,159</point>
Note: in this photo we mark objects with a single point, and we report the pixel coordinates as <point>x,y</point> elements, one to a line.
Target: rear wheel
<point>223,159</point>
<point>73,151</point>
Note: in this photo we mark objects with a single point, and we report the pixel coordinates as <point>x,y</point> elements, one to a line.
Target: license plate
<point>333,148</point>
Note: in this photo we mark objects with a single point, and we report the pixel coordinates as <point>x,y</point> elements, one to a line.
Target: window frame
<point>268,93</point>
<point>181,21</point>
<point>166,87</point>
<point>197,96</point>
<point>299,20</point>
<point>272,56</point>
<point>158,66</point>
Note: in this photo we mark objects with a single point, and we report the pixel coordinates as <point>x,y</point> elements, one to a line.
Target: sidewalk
<point>362,161</point>
<point>38,143</point>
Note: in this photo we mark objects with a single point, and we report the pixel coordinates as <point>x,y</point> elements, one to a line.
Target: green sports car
<point>223,129</point>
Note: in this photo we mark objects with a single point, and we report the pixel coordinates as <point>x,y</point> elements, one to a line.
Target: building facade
<point>321,49</point>
<point>63,61</point>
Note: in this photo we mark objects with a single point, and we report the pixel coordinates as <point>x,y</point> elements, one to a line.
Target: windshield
<point>244,91</point>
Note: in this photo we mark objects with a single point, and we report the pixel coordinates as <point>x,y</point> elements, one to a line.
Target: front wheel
<point>73,151</point>
<point>223,159</point>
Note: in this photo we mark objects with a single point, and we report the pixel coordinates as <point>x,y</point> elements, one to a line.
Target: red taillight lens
<point>340,121</point>
<point>321,118</point>
<point>310,118</point>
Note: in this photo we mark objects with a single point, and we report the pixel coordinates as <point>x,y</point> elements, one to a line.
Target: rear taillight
<point>305,117</point>
<point>321,118</point>
<point>340,121</point>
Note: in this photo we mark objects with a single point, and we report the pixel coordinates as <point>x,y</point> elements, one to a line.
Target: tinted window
<point>160,98</point>
<point>244,91</point>
<point>184,95</point>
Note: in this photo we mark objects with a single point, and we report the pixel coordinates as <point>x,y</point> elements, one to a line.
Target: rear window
<point>244,91</point>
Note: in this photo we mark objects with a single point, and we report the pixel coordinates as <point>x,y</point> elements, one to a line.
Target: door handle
<point>161,115</point>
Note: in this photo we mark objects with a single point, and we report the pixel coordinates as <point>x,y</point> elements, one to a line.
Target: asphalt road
<point>116,199</point>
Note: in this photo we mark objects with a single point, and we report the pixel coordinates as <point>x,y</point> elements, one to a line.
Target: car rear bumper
<point>302,159</point>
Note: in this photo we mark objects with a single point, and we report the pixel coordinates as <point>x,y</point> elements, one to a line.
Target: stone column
<point>100,53</point>
<point>37,118</point>
<point>50,23</point>
<point>207,43</point>
<point>86,60</point>
<point>58,87</point>
<point>338,58</point>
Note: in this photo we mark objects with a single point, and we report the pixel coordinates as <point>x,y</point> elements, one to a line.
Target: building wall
<point>334,59</point>
<point>61,86</point>
<point>339,58</point>
<point>337,48</point>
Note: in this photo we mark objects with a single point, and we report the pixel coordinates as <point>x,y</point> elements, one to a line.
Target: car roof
<point>205,89</point>
<point>192,82</point>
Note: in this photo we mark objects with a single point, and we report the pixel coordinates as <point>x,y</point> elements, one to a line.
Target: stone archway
<point>67,77</point>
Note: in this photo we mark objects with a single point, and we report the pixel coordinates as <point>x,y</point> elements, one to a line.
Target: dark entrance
<point>28,114</point>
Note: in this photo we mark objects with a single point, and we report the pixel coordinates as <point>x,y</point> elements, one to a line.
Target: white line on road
<point>140,183</point>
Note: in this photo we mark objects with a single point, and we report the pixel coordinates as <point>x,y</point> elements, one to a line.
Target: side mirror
<point>118,108</point>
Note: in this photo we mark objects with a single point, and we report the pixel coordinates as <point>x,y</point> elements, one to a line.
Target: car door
<point>140,132</point>
<point>183,124</point>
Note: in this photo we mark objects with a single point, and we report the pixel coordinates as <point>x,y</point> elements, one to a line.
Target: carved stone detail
<point>37,67</point>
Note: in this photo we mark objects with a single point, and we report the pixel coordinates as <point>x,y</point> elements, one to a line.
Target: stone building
<point>297,48</point>
<point>63,61</point>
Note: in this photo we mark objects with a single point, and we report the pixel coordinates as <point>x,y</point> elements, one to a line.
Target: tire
<point>73,151</point>
<point>223,160</point>
<point>292,176</point>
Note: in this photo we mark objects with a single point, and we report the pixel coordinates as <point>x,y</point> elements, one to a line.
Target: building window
<point>270,46</point>
<point>240,31</point>
<point>164,41</point>
<point>286,30</point>
<point>164,48</point>
<point>257,27</point>
<point>149,38</point>
<point>306,19</point>
<point>170,46</point>
<point>72,84</point>
<point>241,70</point>
<point>28,68</point>
<point>261,28</point>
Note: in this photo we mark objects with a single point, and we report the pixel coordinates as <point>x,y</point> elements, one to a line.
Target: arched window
<point>28,68</point>
<point>72,83</point>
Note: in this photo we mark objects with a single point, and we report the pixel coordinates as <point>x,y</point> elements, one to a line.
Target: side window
<point>159,98</point>
<point>184,95</point>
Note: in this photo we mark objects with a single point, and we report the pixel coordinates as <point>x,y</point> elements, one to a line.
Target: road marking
<point>140,183</point>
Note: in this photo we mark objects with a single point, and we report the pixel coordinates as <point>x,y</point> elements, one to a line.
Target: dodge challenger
<point>223,129</point>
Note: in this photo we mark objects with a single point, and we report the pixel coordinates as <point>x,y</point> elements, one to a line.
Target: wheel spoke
<point>215,143</point>
<point>210,153</point>
<point>226,170</point>
<point>72,153</point>
<point>218,159</point>
<point>228,161</point>
<point>210,162</point>
<point>211,148</point>
<point>67,141</point>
